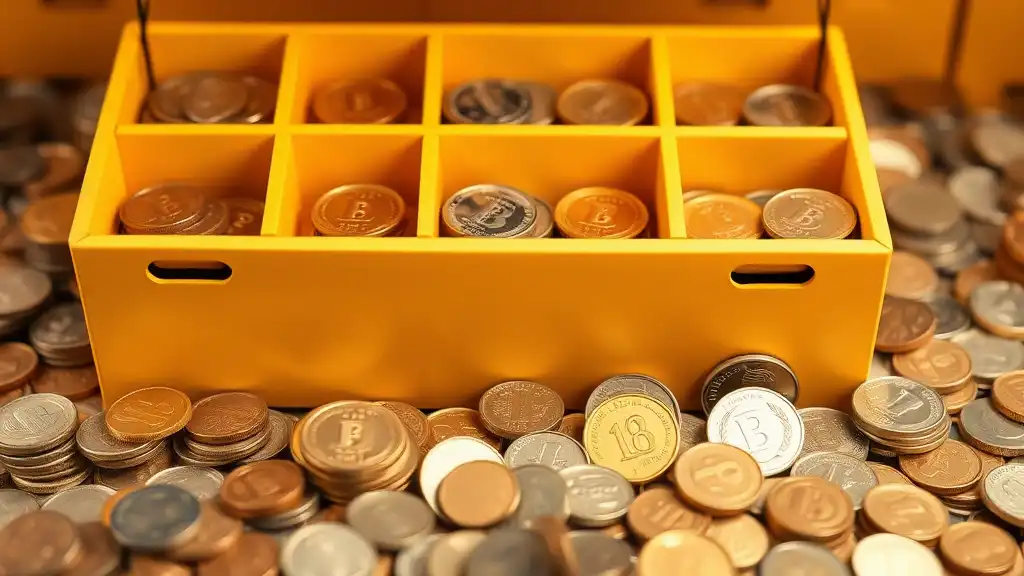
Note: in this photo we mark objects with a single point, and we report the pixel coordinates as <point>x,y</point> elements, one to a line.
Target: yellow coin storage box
<point>435,321</point>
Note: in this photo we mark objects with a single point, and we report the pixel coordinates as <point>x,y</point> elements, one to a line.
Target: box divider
<point>661,79</point>
<point>282,191</point>
<point>289,80</point>
<point>671,221</point>
<point>430,187</point>
<point>433,83</point>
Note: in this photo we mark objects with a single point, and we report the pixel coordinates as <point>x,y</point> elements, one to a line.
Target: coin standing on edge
<point>758,370</point>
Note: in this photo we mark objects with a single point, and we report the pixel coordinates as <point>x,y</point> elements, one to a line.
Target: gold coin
<point>358,210</point>
<point>722,217</point>
<point>608,102</point>
<point>364,101</point>
<point>600,212</point>
<point>952,468</point>
<point>743,539</point>
<point>719,479</point>
<point>940,365</point>
<point>635,435</point>
<point>450,422</point>
<point>809,213</point>
<point>905,510</point>
<point>978,548</point>
<point>680,552</point>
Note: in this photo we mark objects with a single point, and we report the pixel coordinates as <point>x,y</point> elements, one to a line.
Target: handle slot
<point>189,271</point>
<point>772,275</point>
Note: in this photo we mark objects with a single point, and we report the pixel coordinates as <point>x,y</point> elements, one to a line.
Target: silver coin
<point>761,422</point>
<point>215,98</point>
<point>543,492</point>
<point>991,356</point>
<point>885,554</point>
<point>895,406</point>
<point>952,263</point>
<point>983,427</point>
<point>542,102</point>
<point>952,318</point>
<point>390,520</point>
<point>97,444</point>
<point>280,426</point>
<point>511,552</point>
<point>552,449</point>
<point>978,191</point>
<point>786,105</point>
<point>881,365</point>
<point>327,549</point>
<point>36,423</point>
<point>412,561</point>
<point>1004,493</point>
<point>451,553</point>
<point>851,474</point>
<point>81,504</point>
<point>203,483</point>
<point>446,456</point>
<point>598,496</point>
<point>545,224</point>
<point>922,207</point>
<point>598,554</point>
<point>791,558</point>
<point>892,155</point>
<point>631,384</point>
<point>828,430</point>
<point>489,101</point>
<point>290,519</point>
<point>14,503</point>
<point>155,518</point>
<point>997,141</point>
<point>761,197</point>
<point>20,164</point>
<point>738,372</point>
<point>491,211</point>
<point>928,246</point>
<point>1000,303</point>
<point>692,431</point>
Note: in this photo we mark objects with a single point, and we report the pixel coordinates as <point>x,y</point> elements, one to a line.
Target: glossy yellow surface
<point>436,321</point>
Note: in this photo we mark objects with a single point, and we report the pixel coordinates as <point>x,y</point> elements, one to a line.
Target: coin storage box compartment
<point>434,320</point>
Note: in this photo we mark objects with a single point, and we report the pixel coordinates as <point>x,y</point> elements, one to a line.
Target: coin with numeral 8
<point>637,436</point>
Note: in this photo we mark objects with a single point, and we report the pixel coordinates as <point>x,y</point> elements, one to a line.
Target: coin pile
<point>26,291</point>
<point>211,98</point>
<point>37,444</point>
<point>95,442</point>
<point>900,416</point>
<point>269,495</point>
<point>60,337</point>
<point>360,101</point>
<point>224,428</point>
<point>717,104</point>
<point>362,210</point>
<point>191,210</point>
<point>85,115</point>
<point>795,213</point>
<point>46,225</point>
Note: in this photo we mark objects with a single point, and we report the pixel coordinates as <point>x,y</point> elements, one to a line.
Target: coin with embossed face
<point>658,510</point>
<point>227,417</point>
<point>414,420</point>
<point>983,427</point>
<point>761,422</point>
<point>349,436</point>
<point>97,444</point>
<point>597,496</point>
<point>513,409</point>
<point>451,422</point>
<point>952,468</point>
<point>828,430</point>
<point>998,306</point>
<point>1003,492</point>
<point>942,366</point>
<point>631,384</point>
<point>809,213</point>
<point>758,370</point>
<point>722,217</point>
<point>36,423</point>
<point>553,449</point>
<point>637,436</point>
<point>148,414</point>
<point>905,510</point>
<point>491,211</point>
<point>786,105</point>
<point>718,479</point>
<point>991,356</point>
<point>905,325</point>
<point>893,405</point>
<point>809,508</point>
<point>851,474</point>
<point>978,548</point>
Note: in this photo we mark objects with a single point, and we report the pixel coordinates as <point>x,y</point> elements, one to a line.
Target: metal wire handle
<point>142,11</point>
<point>824,15</point>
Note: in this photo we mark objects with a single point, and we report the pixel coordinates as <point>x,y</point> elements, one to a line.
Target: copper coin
<point>572,426</point>
<point>1013,236</point>
<point>956,401</point>
<point>254,554</point>
<point>227,417</point>
<point>809,213</point>
<point>358,210</point>
<point>974,497</point>
<point>978,548</point>
<point>910,276</point>
<point>165,209</point>
<point>120,479</point>
<point>905,510</point>
<point>64,166</point>
<point>40,542</point>
<point>601,212</point>
<point>48,220</point>
<point>809,508</point>
<point>683,552</point>
<point>217,533</point>
<point>969,278</point>
<point>71,383</point>
<point>707,104</point>
<point>722,217</point>
<point>743,539</point>
<point>516,408</point>
<point>888,474</point>
<point>263,489</point>
<point>478,494</point>
<point>364,101</point>
<point>941,365</point>
<point>152,566</point>
<point>451,422</point>
<point>1008,395</point>
<point>952,468</point>
<point>18,362</point>
<point>658,509</point>
<point>100,552</point>
<point>718,479</point>
<point>148,414</point>
<point>608,102</point>
<point>414,420</point>
<point>905,325</point>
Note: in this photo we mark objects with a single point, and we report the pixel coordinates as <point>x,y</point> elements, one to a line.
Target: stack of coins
<point>211,98</point>
<point>712,215</point>
<point>601,212</point>
<point>60,336</point>
<point>26,290</point>
<point>928,221</point>
<point>191,210</point>
<point>719,104</point>
<point>46,225</point>
<point>328,443</point>
<point>269,495</point>
<point>37,445</point>
<point>361,101</point>
<point>106,452</point>
<point>829,523</point>
<point>361,210</point>
<point>900,416</point>
<point>224,428</point>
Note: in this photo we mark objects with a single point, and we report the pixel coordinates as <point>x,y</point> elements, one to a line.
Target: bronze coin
<point>941,365</point>
<point>888,474</point>
<point>217,533</point>
<point>905,325</point>
<point>227,417</point>
<point>973,498</point>
<point>414,420</point>
<point>658,510</point>
<point>71,383</point>
<point>18,362</point>
<point>956,401</point>
<point>978,548</point>
<point>910,276</point>
<point>148,414</point>
<point>718,479</point>
<point>952,468</point>
<point>254,554</point>
<point>743,539</point>
<point>12,395</point>
<point>150,566</point>
<point>40,542</point>
<point>478,494</point>
<point>905,510</point>
<point>969,278</point>
<point>809,508</point>
<point>1013,236</point>
<point>100,552</point>
<point>682,552</point>
<point>263,489</point>
<point>520,407</point>
<point>451,422</point>
<point>48,220</point>
<point>572,426</point>
<point>1008,395</point>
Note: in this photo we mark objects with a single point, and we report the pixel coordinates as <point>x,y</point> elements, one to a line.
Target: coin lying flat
<point>809,213</point>
<point>15,503</point>
<point>253,553</point>
<point>952,317</point>
<point>598,496</point>
<point>445,457</point>
<point>97,443</point>
<point>942,366</point>
<point>743,539</point>
<point>904,325</point>
<point>313,547</point>
<point>910,276</point>
<point>761,422</point>
<point>830,518</point>
<point>412,561</point>
<point>895,406</point>
<point>216,534</point>
<point>907,511</point>
<point>983,427</point>
<point>390,520</point>
<point>1003,493</point>
<point>748,370</point>
<point>553,449</point>
<point>203,483</point>
<point>991,356</point>
<point>516,408</point>
<point>1008,395</point>
<point>888,474</point>
<point>155,518</point>
<point>637,436</point>
<point>952,468</point>
<point>148,414</point>
<point>828,430</point>
<point>658,510</point>
<point>599,553</point>
<point>451,553</point>
<point>851,474</point>
<point>788,557</point>
<point>227,417</point>
<point>543,492</point>
<point>978,548</point>
<point>717,479</point>
<point>262,489</point>
<point>50,538</point>
<point>685,552</point>
<point>889,554</point>
<point>82,504</point>
<point>630,384</point>
<point>998,306</point>
<point>36,423</point>
<point>478,494</point>
<point>512,552</point>
<point>280,426</point>
<point>451,422</point>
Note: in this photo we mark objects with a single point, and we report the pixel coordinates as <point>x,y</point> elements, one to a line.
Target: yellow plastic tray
<point>435,321</point>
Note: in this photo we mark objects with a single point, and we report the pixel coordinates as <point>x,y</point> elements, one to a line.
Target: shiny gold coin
<point>363,101</point>
<point>978,548</point>
<point>719,479</point>
<point>358,210</point>
<point>905,510</point>
<point>743,539</point>
<point>600,212</point>
<point>941,365</point>
<point>608,102</point>
<point>809,213</point>
<point>722,217</point>
<point>635,435</point>
<point>347,437</point>
<point>148,414</point>
<point>680,552</point>
<point>952,468</point>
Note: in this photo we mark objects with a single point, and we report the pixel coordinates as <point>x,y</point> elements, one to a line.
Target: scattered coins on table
<point>210,98</point>
<point>189,209</point>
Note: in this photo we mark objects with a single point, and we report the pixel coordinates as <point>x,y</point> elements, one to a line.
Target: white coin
<point>889,554</point>
<point>763,423</point>
<point>446,456</point>
<point>892,155</point>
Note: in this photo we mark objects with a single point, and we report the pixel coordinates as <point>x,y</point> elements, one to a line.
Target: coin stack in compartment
<point>362,210</point>
<point>202,210</point>
<point>211,98</point>
<point>896,439</point>
<point>60,336</point>
<point>224,428</point>
<point>37,444</point>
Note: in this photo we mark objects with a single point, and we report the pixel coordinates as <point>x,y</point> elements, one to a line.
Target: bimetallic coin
<point>892,555</point>
<point>155,518</point>
<point>637,436</point>
<point>327,548</point>
<point>828,430</point>
<point>390,520</point>
<point>983,427</point>
<point>511,552</point>
<point>15,503</point>
<point>786,558</point>
<point>488,102</point>
<point>36,423</point>
<point>991,356</point>
<point>600,554</point>
<point>718,479</point>
<point>761,422</point>
<point>552,449</point>
<point>809,213</point>
<point>952,318</point>
<point>543,492</point>
<point>82,504</point>
<point>489,210</point>
<point>631,384</point>
<point>759,370</point>
<point>685,553</point>
<point>199,481</point>
<point>516,408</point>
<point>445,457</point>
<point>1003,493</point>
<point>608,102</point>
<point>786,105</point>
<point>851,474</point>
<point>598,496</point>
<point>601,212</point>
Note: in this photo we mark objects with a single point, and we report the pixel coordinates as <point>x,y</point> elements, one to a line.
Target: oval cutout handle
<point>189,271</point>
<point>772,275</point>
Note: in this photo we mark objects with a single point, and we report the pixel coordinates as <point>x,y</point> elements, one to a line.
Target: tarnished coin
<point>359,101</point>
<point>516,408</point>
<point>1003,493</point>
<point>718,216</point>
<point>15,503</point>
<point>445,457</point>
<point>390,520</point>
<point>983,427</point>
<point>82,504</point>
<point>631,384</point>
<point>978,548</point>
<point>922,207</point>
<point>758,370</point>
<point>412,560</point>
<point>998,306</point>
<point>199,481</point>
<point>657,510</point>
<point>786,105</point>
<point>718,479</point>
<point>489,210</point>
<point>907,511</point>
<point>552,449</point>
<point>991,356</point>
<point>71,383</point>
<point>488,101</point>
<point>217,533</point>
<point>280,426</point>
<point>256,554</point>
<point>478,494</point>
<point>888,474</point>
<point>893,555</point>
<point>743,539</point>
<point>905,325</point>
<point>708,104</point>
<point>809,508</point>
<point>809,213</point>
<point>453,422</point>
<point>227,417</point>
<point>600,554</point>
<point>96,442</point>
<point>828,430</point>
<point>851,474</point>
<point>637,436</point>
<point>451,553</point>
<point>598,496</point>
<point>543,492</point>
<point>262,489</point>
<point>40,542</point>
<point>36,423</point>
<point>942,366</point>
<point>952,318</point>
<point>685,553</point>
<point>910,276</point>
<point>609,102</point>
<point>761,422</point>
<point>511,552</point>
<point>572,426</point>
<point>155,518</point>
<point>952,468</point>
<point>788,557</point>
<point>148,414</point>
<point>896,406</point>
